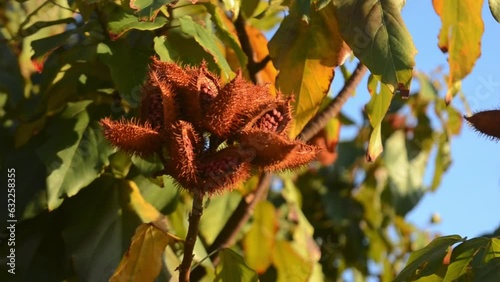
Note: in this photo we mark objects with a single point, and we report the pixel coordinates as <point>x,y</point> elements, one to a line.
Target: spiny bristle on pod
<point>132,137</point>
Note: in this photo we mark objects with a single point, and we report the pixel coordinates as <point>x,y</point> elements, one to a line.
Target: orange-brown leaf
<point>143,260</point>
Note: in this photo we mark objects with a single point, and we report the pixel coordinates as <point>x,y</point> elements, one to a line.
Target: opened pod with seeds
<point>209,135</point>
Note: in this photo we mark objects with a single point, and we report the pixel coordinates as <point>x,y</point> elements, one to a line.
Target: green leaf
<point>161,49</point>
<point>306,55</point>
<point>232,267</point>
<point>489,272</point>
<point>492,250</point>
<point>99,225</point>
<point>376,110</point>
<point>259,240</point>
<point>379,103</point>
<point>378,36</point>
<point>495,9</point>
<point>128,67</point>
<point>290,264</point>
<point>75,154</point>
<point>460,37</point>
<point>143,259</point>
<point>148,9</point>
<point>207,41</point>
<point>405,174</point>
<point>224,33</point>
<point>430,257</point>
<point>164,198</point>
<point>217,213</point>
<point>120,22</point>
<point>303,239</point>
<point>44,47</point>
<point>443,160</point>
<point>462,257</point>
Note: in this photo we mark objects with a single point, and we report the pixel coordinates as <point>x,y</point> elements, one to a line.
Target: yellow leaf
<point>259,46</point>
<point>290,265</point>
<point>143,260</point>
<point>375,145</point>
<point>259,241</point>
<point>144,210</point>
<point>306,54</point>
<point>460,36</point>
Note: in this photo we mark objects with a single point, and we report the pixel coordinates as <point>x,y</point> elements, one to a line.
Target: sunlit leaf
<point>290,264</point>
<point>148,9</point>
<point>75,154</point>
<point>222,24</point>
<point>495,9</point>
<point>462,258</point>
<point>143,260</point>
<point>232,267</point>
<point>305,55</point>
<point>207,41</point>
<point>378,36</point>
<point>460,36</point>
<point>258,42</point>
<point>376,110</point>
<point>35,27</point>
<point>120,21</point>
<point>430,257</point>
<point>145,210</point>
<point>261,234</point>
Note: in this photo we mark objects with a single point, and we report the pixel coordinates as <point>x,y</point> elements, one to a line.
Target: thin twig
<point>194,222</point>
<point>332,110</point>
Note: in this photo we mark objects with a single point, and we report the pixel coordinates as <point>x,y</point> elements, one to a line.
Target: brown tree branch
<point>332,110</point>
<point>253,67</point>
<point>194,222</point>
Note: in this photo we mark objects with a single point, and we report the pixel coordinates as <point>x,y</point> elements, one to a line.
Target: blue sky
<point>469,196</point>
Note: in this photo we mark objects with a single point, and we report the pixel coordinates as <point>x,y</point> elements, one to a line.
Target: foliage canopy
<point>87,211</point>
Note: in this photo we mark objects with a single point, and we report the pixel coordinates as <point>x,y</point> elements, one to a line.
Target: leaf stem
<point>194,222</point>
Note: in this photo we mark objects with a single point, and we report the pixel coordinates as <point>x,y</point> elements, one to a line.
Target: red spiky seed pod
<point>238,102</point>
<point>184,146</point>
<point>486,122</point>
<point>275,152</point>
<point>132,137</point>
<point>275,118</point>
<point>224,170</point>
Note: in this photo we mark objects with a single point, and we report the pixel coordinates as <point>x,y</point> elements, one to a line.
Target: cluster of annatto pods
<point>209,135</point>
